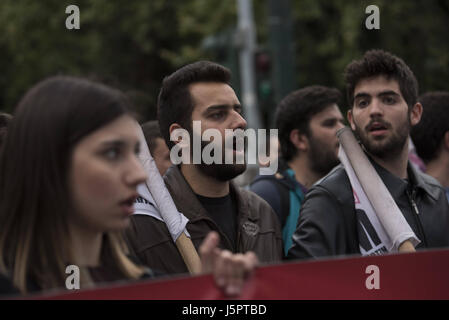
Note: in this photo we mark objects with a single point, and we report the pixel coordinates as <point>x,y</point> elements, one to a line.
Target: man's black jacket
<point>327,224</point>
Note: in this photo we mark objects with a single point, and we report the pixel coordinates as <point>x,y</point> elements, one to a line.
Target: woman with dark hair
<point>68,179</point>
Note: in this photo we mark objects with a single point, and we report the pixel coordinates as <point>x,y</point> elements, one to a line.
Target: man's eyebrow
<point>216,107</point>
<point>361,95</point>
<point>332,120</point>
<point>388,93</point>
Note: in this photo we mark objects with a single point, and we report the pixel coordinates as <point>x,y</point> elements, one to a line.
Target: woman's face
<point>104,174</point>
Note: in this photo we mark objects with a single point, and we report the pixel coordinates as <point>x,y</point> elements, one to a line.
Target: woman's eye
<point>112,154</point>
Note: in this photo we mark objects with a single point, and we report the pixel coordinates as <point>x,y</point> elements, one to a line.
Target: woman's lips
<point>127,209</point>
<point>127,206</point>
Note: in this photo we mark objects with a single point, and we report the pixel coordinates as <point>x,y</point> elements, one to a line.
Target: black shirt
<point>223,211</point>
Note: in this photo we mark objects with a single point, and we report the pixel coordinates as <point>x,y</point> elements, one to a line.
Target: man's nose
<point>238,122</point>
<point>375,109</point>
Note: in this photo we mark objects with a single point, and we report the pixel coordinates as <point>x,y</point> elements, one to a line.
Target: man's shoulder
<point>271,188</point>
<point>430,181</point>
<point>432,185</point>
<point>336,182</point>
<point>252,199</point>
<point>256,206</point>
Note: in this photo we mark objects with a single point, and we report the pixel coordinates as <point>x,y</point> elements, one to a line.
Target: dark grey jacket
<point>258,228</point>
<point>327,224</point>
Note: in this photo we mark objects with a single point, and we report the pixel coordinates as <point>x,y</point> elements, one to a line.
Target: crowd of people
<point>70,171</point>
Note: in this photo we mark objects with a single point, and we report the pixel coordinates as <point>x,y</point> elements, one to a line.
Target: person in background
<point>156,144</point>
<point>308,120</point>
<point>431,136</point>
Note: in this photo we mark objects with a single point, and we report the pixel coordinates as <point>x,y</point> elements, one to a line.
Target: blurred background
<point>272,46</point>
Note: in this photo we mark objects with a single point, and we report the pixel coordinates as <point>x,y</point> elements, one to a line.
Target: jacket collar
<point>184,196</point>
<point>397,186</point>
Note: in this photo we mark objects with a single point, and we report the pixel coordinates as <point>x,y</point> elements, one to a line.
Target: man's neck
<point>439,169</point>
<point>203,184</point>
<point>396,165</point>
<point>303,174</point>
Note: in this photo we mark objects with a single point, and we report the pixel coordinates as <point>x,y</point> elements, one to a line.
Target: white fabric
<point>142,207</point>
<point>397,226</point>
<point>154,191</point>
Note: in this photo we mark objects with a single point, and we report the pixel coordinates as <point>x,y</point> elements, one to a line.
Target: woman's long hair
<point>35,202</point>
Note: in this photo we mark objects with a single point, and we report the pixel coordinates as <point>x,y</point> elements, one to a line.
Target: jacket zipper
<point>413,204</point>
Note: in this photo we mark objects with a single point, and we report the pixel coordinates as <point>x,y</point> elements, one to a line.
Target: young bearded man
<point>204,192</point>
<point>382,92</point>
<point>308,120</point>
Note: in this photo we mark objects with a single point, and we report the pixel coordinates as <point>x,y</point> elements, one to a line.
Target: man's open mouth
<point>377,127</point>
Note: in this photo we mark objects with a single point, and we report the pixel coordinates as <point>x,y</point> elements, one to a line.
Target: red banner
<point>421,275</point>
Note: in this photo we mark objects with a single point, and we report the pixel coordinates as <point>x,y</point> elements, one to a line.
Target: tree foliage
<point>134,44</point>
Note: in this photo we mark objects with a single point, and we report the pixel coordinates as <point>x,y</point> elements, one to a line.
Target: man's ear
<point>172,128</point>
<point>299,140</point>
<point>350,119</point>
<point>416,113</point>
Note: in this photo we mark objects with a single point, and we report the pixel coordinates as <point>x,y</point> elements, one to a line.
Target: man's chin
<point>222,172</point>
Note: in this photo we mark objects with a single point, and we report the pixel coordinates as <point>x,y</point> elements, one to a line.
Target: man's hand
<point>230,270</point>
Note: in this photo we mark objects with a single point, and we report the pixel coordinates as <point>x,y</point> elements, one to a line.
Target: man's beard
<point>223,171</point>
<point>384,148</point>
<point>322,158</point>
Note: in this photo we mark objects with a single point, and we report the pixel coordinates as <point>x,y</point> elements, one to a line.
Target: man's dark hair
<point>429,132</point>
<point>175,104</point>
<point>151,131</point>
<point>379,62</point>
<point>296,110</point>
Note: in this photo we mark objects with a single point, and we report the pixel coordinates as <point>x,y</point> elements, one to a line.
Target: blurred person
<point>431,136</point>
<point>307,120</point>
<point>68,181</point>
<point>156,144</point>
<point>204,193</point>
<point>413,157</point>
<point>382,92</point>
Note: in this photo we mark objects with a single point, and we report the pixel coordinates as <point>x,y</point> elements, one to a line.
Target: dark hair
<point>175,103</point>
<point>379,62</point>
<point>35,195</point>
<point>296,110</point>
<point>5,119</point>
<point>151,131</point>
<point>429,132</point>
